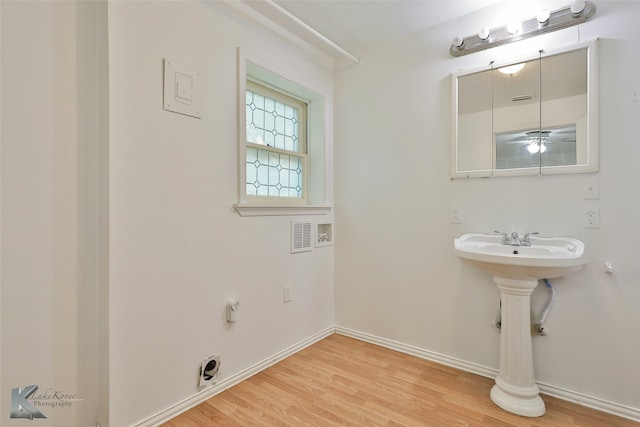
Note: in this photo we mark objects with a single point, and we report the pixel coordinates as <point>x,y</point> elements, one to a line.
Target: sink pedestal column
<point>515,390</point>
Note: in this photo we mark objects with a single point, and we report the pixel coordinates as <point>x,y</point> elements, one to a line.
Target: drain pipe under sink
<point>539,327</point>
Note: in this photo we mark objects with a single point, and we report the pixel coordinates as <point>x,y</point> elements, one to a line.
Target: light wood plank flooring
<point>340,381</point>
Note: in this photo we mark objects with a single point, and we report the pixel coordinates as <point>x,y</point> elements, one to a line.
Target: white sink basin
<point>516,270</point>
<point>546,258</point>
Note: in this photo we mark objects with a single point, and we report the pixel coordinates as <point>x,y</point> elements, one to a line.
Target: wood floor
<point>340,381</point>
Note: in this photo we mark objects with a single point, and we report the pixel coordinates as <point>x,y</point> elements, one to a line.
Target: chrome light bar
<point>546,22</point>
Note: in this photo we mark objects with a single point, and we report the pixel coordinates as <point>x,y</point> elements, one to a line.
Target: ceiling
<point>354,25</point>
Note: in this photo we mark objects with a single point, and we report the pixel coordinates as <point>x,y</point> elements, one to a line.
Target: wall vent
<point>209,371</point>
<point>300,236</point>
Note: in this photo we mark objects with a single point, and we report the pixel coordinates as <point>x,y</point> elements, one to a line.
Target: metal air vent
<point>300,236</point>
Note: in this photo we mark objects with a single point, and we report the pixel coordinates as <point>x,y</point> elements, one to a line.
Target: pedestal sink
<point>516,270</point>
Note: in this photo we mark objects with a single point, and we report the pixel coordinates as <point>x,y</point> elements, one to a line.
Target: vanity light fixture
<point>545,22</point>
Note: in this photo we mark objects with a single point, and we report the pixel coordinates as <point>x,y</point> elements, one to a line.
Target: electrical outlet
<point>287,293</point>
<point>591,217</point>
<point>456,215</point>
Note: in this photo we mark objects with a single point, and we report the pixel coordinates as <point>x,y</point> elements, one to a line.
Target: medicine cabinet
<point>533,115</point>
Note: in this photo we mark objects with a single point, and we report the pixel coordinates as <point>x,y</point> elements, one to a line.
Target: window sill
<point>266,210</point>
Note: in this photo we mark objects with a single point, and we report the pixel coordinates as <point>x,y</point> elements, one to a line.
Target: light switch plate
<point>591,189</point>
<point>183,89</point>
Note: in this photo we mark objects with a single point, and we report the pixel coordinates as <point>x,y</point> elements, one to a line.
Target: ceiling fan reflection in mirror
<point>539,138</point>
<point>521,149</point>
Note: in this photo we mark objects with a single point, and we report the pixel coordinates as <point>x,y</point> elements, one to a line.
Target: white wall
<point>53,198</point>
<point>178,249</point>
<point>92,224</point>
<point>42,336</point>
<point>396,274</point>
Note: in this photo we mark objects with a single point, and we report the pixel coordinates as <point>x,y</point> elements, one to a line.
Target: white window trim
<point>246,205</point>
<point>272,210</point>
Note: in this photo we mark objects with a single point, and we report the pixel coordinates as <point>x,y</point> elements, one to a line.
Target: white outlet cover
<point>456,215</point>
<point>591,217</point>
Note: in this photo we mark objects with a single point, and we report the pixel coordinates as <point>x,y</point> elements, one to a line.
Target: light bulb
<point>458,41</point>
<point>484,34</point>
<point>513,27</point>
<point>543,16</point>
<point>577,7</point>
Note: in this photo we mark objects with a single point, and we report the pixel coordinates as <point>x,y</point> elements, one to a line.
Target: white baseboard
<point>569,395</point>
<point>560,393</point>
<point>591,402</point>
<point>185,405</point>
<point>419,352</point>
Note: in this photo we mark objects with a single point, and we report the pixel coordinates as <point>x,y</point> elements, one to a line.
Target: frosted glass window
<point>276,149</point>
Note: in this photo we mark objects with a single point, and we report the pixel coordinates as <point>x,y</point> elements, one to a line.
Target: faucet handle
<point>505,238</point>
<point>526,241</point>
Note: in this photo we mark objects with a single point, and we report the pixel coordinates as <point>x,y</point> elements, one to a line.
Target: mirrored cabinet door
<point>516,115</point>
<point>564,112</point>
<point>475,133</point>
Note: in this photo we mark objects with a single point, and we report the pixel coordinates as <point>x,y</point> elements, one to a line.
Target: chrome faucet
<point>515,240</point>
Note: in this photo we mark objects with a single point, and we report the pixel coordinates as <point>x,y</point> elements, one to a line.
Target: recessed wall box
<point>324,234</point>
